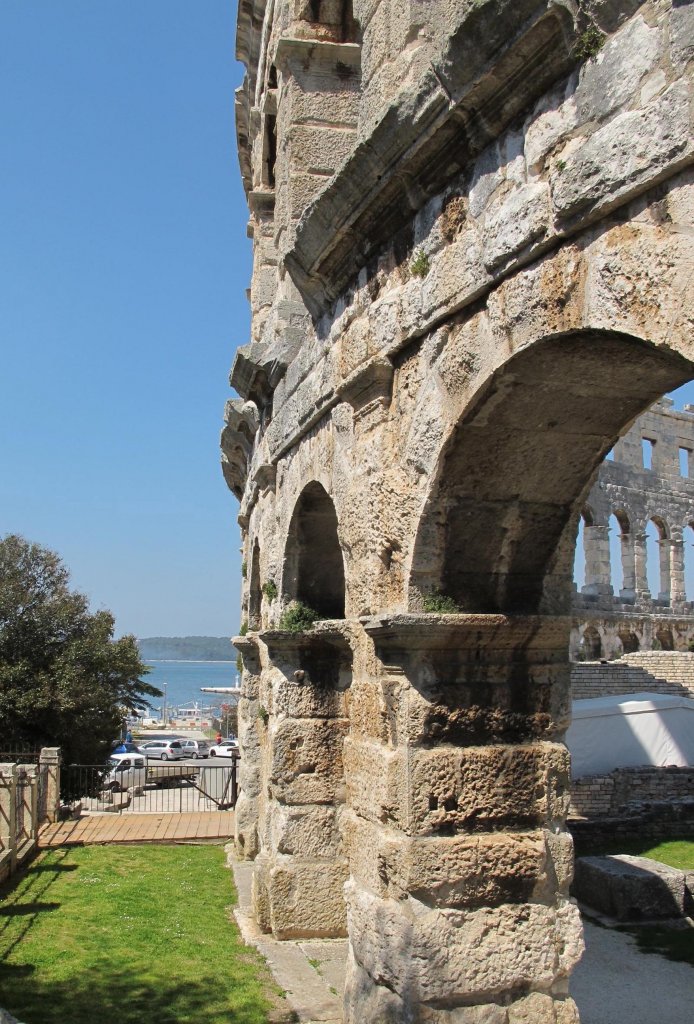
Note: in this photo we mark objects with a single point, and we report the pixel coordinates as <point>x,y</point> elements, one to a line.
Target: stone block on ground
<point>630,888</point>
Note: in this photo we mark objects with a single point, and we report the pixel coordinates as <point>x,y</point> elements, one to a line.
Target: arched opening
<point>255,594</point>
<point>313,566</point>
<point>664,639</point>
<point>591,643</point>
<point>585,519</point>
<point>621,557</point>
<point>658,560</point>
<point>498,530</point>
<point>688,553</point>
<point>629,641</point>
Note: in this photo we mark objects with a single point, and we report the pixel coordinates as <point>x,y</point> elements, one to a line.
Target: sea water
<point>183,680</point>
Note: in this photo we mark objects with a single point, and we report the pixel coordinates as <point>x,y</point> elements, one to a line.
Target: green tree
<point>64,680</point>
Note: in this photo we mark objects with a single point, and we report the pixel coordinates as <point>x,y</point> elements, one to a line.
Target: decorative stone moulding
<point>479,678</point>
<point>369,386</point>
<point>501,58</point>
<point>265,477</point>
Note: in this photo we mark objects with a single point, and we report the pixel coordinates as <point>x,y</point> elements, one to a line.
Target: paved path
<point>138,828</point>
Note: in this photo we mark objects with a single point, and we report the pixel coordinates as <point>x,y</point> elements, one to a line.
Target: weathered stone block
<point>306,901</point>
<point>307,761</point>
<point>457,871</point>
<point>631,150</point>
<point>310,833</point>
<point>630,888</point>
<point>309,699</point>
<point>448,956</point>
<point>520,218</point>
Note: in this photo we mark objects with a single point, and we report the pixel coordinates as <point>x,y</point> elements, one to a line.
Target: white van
<point>125,771</point>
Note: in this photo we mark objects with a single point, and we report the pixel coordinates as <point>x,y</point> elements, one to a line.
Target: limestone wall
<point>472,228</point>
<point>605,795</point>
<point>649,672</point>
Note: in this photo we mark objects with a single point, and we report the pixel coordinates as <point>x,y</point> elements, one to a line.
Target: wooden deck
<point>138,828</point>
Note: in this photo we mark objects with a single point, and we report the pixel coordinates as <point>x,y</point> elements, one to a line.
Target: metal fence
<point>19,753</point>
<point>154,789</point>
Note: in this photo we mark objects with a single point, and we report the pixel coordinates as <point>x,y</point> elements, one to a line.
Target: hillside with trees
<point>186,648</point>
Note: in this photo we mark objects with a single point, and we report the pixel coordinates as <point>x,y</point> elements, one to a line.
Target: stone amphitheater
<point>473,239</point>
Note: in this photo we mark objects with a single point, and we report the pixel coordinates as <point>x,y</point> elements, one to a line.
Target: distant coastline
<point>186,648</point>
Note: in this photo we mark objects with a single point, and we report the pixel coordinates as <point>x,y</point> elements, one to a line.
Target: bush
<point>440,604</point>
<point>298,618</point>
<point>270,589</point>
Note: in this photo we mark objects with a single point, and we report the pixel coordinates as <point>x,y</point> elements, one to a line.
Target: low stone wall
<point>667,672</point>
<point>632,803</point>
<point>600,796</point>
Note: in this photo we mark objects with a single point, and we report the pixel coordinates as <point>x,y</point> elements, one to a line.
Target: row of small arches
<point>662,561</point>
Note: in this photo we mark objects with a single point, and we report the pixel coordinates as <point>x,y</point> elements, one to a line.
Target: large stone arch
<point>499,521</point>
<point>313,569</point>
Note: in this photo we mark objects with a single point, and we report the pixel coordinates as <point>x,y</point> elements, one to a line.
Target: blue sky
<point>123,268</point>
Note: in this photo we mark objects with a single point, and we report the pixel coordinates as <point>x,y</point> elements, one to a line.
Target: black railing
<point>19,753</point>
<point>151,788</point>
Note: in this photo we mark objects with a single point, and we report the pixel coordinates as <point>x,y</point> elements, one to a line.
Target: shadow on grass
<point>18,909</point>
<point>101,994</point>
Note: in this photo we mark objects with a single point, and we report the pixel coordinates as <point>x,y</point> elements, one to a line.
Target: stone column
<point>678,593</point>
<point>642,591</point>
<point>301,867</point>
<point>246,812</point>
<point>664,549</point>
<point>596,547</point>
<point>8,818</point>
<point>49,795</point>
<point>457,792</point>
<point>628,591</point>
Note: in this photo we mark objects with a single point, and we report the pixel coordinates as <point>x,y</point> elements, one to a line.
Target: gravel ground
<point>616,984</point>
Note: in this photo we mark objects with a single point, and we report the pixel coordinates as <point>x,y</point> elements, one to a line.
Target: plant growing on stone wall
<point>243,629</point>
<point>263,715</point>
<point>419,264</point>
<point>244,569</point>
<point>589,43</point>
<point>239,663</point>
<point>440,604</point>
<point>298,618</point>
<point>270,589</point>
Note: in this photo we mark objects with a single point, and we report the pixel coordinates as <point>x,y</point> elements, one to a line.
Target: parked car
<point>124,771</point>
<point>196,748</point>
<point>165,750</point>
<point>227,748</point>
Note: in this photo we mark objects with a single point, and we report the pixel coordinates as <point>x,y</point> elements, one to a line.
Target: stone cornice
<point>501,58</point>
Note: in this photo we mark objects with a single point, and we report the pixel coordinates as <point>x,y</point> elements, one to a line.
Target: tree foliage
<point>64,680</point>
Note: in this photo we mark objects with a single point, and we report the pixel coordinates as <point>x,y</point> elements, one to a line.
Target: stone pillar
<point>664,549</point>
<point>301,867</point>
<point>8,818</point>
<point>49,794</point>
<point>678,593</point>
<point>628,591</point>
<point>596,547</point>
<point>246,812</point>
<point>642,591</point>
<point>457,790</point>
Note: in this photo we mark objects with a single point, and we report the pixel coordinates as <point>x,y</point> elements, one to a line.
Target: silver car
<point>195,748</point>
<point>165,750</point>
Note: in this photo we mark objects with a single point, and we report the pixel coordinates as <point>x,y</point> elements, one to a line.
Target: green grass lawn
<point>128,935</point>
<point>678,853</point>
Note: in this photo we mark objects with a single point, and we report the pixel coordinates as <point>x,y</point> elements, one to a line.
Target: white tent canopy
<point>630,731</point>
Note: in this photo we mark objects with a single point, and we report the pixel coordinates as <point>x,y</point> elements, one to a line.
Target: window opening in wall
<point>255,594</point>
<point>630,642</point>
<point>664,639</point>
<point>647,447</point>
<point>684,462</point>
<point>616,560</point>
<point>272,77</point>
<point>610,456</point>
<point>270,148</point>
